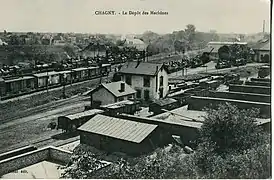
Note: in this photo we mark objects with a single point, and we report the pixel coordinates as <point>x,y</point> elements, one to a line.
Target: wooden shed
<point>73,121</point>
<point>127,107</point>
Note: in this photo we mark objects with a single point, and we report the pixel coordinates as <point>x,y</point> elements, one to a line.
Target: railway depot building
<point>262,51</point>
<point>109,93</point>
<point>113,134</point>
<point>150,80</point>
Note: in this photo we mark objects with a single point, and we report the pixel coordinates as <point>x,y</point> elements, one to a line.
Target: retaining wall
<point>199,103</point>
<point>258,83</point>
<point>241,96</point>
<point>250,89</point>
<point>27,159</point>
<point>261,79</point>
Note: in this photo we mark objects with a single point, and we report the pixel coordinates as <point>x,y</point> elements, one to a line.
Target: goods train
<point>16,86</point>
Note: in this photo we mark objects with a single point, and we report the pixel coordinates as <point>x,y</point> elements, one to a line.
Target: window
<point>146,81</point>
<point>161,81</point>
<point>262,57</point>
<point>128,79</point>
<point>146,94</point>
<point>121,99</point>
<point>139,93</point>
<point>130,97</point>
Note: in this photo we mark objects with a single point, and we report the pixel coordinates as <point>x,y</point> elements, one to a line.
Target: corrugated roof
<point>118,104</point>
<point>79,69</point>
<point>46,74</point>
<point>118,128</point>
<point>166,101</point>
<point>144,68</point>
<point>83,114</point>
<point>114,88</point>
<point>19,79</point>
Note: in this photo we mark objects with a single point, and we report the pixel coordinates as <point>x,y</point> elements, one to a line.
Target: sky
<point>224,16</point>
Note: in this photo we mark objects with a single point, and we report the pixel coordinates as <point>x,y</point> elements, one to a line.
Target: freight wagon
<point>18,86</point>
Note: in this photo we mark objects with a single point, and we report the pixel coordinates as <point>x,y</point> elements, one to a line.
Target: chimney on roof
<point>138,63</point>
<point>122,87</point>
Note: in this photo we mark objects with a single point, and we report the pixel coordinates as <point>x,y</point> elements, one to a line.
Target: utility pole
<point>263,26</point>
<point>47,81</point>
<point>64,86</point>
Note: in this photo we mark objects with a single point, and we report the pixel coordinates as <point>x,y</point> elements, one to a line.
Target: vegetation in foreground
<point>231,145</point>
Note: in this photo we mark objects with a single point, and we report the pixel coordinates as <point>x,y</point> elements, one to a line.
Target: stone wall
<point>250,89</point>
<point>241,96</point>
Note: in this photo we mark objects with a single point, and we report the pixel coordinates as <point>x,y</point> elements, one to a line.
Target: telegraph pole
<point>263,26</point>
<point>47,81</point>
<point>64,86</point>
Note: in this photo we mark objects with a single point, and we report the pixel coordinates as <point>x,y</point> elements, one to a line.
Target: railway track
<point>44,108</point>
<point>43,143</point>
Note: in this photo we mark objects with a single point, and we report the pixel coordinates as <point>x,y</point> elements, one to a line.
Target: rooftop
<point>181,114</point>
<point>115,87</point>
<point>163,102</point>
<point>79,69</point>
<point>118,128</point>
<point>51,73</point>
<point>144,68</point>
<point>19,78</point>
<point>83,114</point>
<point>118,104</point>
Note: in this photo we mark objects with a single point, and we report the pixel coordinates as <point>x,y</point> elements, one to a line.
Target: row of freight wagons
<point>50,79</point>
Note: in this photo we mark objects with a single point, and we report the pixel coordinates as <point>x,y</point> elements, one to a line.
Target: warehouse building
<point>113,134</point>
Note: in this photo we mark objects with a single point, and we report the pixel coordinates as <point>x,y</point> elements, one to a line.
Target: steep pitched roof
<point>118,128</point>
<point>144,68</point>
<point>114,88</point>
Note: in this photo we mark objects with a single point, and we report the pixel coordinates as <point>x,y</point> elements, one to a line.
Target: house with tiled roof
<point>150,80</point>
<point>108,93</point>
<point>262,51</point>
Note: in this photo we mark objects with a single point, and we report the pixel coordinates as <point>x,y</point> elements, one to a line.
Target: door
<point>161,92</point>
<point>146,95</point>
